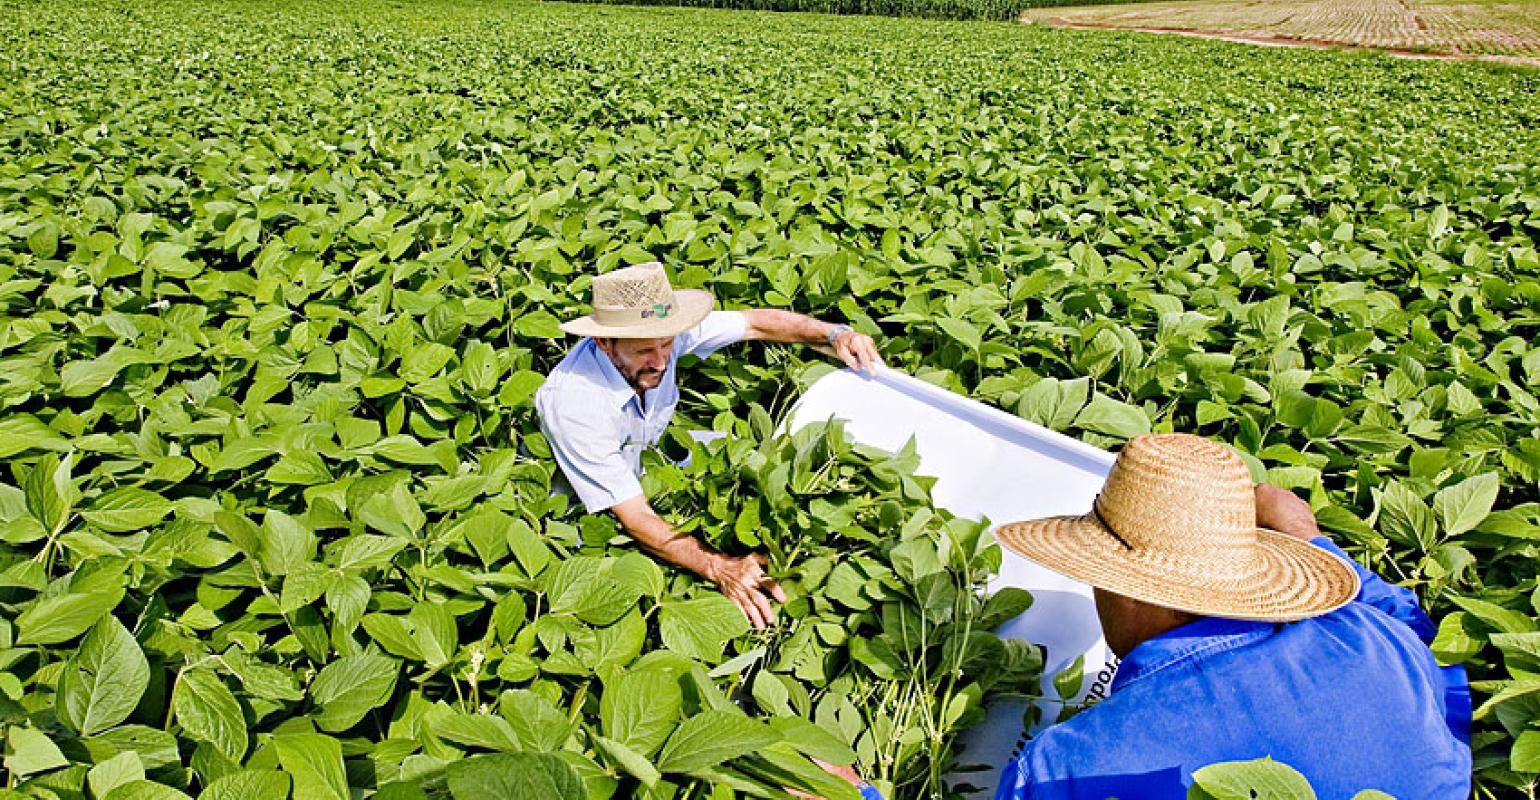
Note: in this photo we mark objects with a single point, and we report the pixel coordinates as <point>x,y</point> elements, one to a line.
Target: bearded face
<point>641,362</point>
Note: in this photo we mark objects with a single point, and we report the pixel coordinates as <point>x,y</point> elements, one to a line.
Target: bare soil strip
<point>1266,39</point>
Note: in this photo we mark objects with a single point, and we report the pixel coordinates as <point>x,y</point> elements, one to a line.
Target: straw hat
<point>1176,526</point>
<point>638,303</point>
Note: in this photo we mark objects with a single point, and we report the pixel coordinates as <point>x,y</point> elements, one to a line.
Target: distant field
<point>1468,28</point>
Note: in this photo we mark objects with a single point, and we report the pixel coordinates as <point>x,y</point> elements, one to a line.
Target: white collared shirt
<point>596,425</point>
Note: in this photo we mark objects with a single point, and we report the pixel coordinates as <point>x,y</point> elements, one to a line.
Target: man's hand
<point>1283,511</point>
<point>858,351</point>
<point>744,581</point>
<point>848,773</point>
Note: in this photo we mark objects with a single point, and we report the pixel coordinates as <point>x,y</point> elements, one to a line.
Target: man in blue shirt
<point>614,394</point>
<point>1244,633</point>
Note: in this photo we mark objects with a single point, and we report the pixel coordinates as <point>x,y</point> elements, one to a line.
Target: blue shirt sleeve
<point>869,792</point>
<point>1399,602</point>
<point>718,330</point>
<point>588,454</point>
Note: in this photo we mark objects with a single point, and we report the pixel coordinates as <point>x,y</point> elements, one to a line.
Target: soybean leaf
<point>209,712</point>
<point>104,680</point>
<point>350,687</point>
<point>61,617</point>
<point>127,509</point>
<point>1463,506</point>
<point>509,775</point>
<point>699,628</point>
<point>314,762</point>
<point>248,784</point>
<point>1113,418</point>
<point>712,737</point>
<point>29,750</point>
<point>114,772</point>
<point>639,709</point>
<point>1263,779</point>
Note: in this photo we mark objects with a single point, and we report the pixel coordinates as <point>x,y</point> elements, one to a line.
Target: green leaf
<point>513,775</point>
<point>479,730</point>
<point>1067,682</point>
<point>712,737</point>
<point>28,751</point>
<point>127,509</point>
<point>351,687</point>
<point>811,739</point>
<point>538,325</point>
<point>1113,418</point>
<point>1404,518</point>
<point>965,333</point>
<point>145,790</point>
<point>700,628</point>
<point>1263,779</point>
<point>628,760</point>
<point>394,512</point>
<point>155,748</point>
<point>104,680</point>
<point>209,712</point>
<point>1525,756</point>
<point>248,784</point>
<point>538,725</point>
<point>22,432</point>
<point>114,772</point>
<point>61,617</point>
<point>435,632</point>
<point>1453,644</point>
<point>1463,506</point>
<point>1500,619</point>
<point>285,543</point>
<point>49,492</point>
<point>519,388</point>
<point>314,762</point>
<point>640,709</point>
<point>1053,403</point>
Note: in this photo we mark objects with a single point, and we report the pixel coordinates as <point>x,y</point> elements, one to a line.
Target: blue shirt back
<point>1353,699</point>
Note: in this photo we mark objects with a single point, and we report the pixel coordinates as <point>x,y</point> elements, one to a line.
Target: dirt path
<point>1284,40</point>
<point>1505,31</point>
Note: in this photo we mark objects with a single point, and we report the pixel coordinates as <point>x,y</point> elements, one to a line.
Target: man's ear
<point>607,344</point>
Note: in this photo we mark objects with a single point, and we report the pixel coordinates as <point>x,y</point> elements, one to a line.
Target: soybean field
<point>278,281</point>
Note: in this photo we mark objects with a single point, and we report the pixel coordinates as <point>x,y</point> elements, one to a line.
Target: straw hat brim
<point>694,305</point>
<point>1292,579</point>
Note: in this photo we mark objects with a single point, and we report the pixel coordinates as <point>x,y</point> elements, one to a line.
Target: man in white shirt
<point>615,392</point>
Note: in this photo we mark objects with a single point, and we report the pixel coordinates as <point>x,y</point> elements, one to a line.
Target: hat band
<point>1096,512</point>
<point>632,315</point>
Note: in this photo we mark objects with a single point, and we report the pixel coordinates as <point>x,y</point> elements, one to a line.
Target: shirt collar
<point>614,383</point>
<point>1205,635</point>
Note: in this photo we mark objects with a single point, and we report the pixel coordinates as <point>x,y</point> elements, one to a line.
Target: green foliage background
<point>278,282</point>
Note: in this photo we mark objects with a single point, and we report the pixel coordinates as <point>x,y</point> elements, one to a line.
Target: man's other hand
<point>848,773</point>
<point>1283,511</point>
<point>743,580</point>
<point>858,351</point>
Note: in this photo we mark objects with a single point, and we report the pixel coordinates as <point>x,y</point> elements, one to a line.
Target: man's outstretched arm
<point>856,349</point>
<point>741,579</point>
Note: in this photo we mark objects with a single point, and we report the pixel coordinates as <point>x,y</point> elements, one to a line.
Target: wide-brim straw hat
<point>1175,525</point>
<point>637,302</point>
